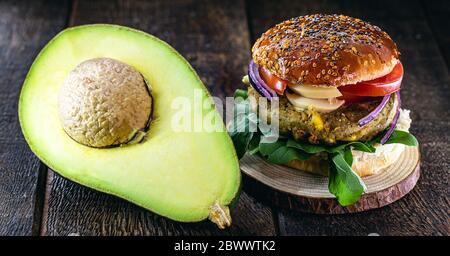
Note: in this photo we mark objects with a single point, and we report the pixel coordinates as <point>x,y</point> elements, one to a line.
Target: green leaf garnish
<point>242,126</point>
<point>241,93</point>
<point>253,146</point>
<point>343,182</point>
<point>402,137</point>
<point>305,146</point>
<point>348,156</point>
<point>267,149</point>
<point>284,155</point>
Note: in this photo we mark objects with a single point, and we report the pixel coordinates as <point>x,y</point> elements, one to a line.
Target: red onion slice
<point>258,83</point>
<point>372,115</point>
<point>394,122</point>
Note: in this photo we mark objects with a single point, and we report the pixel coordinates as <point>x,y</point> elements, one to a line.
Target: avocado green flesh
<point>179,175</point>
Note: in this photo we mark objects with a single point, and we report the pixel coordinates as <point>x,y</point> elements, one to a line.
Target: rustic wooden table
<point>216,36</point>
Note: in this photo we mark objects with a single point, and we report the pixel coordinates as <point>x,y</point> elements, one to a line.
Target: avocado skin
<point>178,176</point>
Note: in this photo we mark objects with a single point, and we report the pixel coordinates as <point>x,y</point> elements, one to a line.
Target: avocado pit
<point>104,102</point>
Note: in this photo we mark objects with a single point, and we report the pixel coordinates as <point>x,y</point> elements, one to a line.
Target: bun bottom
<point>364,164</point>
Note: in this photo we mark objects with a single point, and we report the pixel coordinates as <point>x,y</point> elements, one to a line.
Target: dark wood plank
<point>437,13</point>
<point>213,36</point>
<point>425,91</point>
<point>24,28</point>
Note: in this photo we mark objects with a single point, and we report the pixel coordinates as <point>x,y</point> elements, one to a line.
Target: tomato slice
<point>348,98</point>
<point>378,87</point>
<point>274,82</point>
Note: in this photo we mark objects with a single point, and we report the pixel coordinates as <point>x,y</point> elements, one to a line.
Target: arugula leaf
<point>361,146</point>
<point>242,126</point>
<point>306,147</point>
<point>313,148</point>
<point>280,153</point>
<point>348,156</point>
<point>253,146</point>
<point>284,155</point>
<point>343,182</point>
<point>267,149</point>
<point>402,137</point>
<point>241,93</point>
<point>241,141</point>
<point>398,136</point>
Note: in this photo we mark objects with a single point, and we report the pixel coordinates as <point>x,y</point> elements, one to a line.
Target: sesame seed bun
<point>326,50</point>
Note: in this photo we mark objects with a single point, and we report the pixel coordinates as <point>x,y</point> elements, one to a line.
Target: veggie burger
<point>337,81</point>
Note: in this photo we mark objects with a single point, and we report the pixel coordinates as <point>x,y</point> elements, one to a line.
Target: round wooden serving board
<point>302,191</point>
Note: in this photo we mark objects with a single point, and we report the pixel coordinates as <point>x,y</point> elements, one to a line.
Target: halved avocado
<point>184,175</point>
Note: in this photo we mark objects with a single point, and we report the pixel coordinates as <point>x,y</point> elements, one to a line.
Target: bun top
<point>326,50</point>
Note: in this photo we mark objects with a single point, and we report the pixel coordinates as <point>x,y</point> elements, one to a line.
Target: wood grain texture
<point>305,192</point>
<point>213,36</point>
<point>425,91</point>
<point>24,28</point>
<point>437,13</point>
